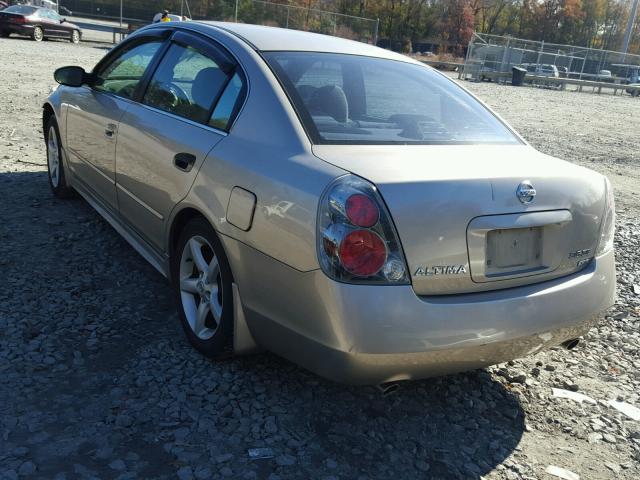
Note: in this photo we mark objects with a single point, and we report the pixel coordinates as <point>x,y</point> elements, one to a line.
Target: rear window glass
<point>21,9</point>
<point>348,99</point>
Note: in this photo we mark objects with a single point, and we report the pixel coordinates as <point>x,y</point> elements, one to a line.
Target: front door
<point>163,141</point>
<point>94,113</point>
<point>51,23</point>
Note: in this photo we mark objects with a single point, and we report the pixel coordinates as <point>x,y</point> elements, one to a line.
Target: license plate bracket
<point>513,250</point>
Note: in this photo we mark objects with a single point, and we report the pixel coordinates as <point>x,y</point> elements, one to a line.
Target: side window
<point>228,104</point>
<point>50,14</point>
<point>186,83</point>
<point>122,75</point>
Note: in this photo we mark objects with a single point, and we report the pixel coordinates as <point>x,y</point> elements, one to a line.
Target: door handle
<point>110,130</point>
<point>184,161</point>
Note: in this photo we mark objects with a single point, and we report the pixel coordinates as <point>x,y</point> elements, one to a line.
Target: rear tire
<point>38,34</point>
<point>55,163</point>
<point>4,34</point>
<point>201,280</point>
<point>75,37</point>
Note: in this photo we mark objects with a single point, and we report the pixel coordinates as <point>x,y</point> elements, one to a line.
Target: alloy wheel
<point>53,157</point>
<point>38,34</point>
<point>75,36</point>
<point>201,287</point>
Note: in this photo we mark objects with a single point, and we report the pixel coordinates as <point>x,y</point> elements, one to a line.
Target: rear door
<point>163,140</point>
<point>93,115</point>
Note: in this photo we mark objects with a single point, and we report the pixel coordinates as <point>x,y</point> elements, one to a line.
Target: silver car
<point>343,206</point>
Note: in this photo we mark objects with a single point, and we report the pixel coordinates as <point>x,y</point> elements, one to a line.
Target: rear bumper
<point>18,29</point>
<point>375,334</point>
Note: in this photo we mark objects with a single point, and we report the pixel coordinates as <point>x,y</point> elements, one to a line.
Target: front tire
<point>55,165</point>
<point>38,34</point>
<point>75,37</point>
<point>201,280</point>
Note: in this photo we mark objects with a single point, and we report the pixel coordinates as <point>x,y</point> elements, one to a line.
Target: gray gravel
<point>97,381</point>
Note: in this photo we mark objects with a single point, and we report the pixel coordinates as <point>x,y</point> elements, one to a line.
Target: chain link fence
<point>493,53</point>
<point>246,11</point>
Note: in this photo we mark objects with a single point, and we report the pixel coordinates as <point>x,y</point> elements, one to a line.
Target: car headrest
<point>206,86</point>
<point>331,101</point>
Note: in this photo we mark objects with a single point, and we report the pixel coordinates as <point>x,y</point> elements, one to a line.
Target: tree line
<point>589,23</point>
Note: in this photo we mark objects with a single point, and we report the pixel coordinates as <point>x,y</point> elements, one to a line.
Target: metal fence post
<point>375,32</point>
<point>235,15</point>
<point>539,55</point>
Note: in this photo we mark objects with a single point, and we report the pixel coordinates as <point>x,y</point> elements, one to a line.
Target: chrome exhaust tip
<point>388,388</point>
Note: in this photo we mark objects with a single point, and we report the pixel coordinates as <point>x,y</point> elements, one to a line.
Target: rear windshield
<point>22,9</point>
<point>349,99</point>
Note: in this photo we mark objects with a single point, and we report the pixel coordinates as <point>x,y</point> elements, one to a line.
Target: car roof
<point>266,39</point>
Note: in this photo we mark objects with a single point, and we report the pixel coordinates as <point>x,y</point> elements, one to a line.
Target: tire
<point>75,37</point>
<point>202,289</point>
<point>4,34</point>
<point>38,34</point>
<point>55,164</point>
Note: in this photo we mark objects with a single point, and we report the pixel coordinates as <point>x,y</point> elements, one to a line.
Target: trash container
<point>517,76</point>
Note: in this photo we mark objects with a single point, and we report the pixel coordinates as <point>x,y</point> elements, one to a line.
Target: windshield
<point>348,99</point>
<point>23,9</point>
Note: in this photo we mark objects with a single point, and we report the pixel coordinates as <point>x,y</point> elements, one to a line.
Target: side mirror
<point>62,20</point>
<point>71,76</point>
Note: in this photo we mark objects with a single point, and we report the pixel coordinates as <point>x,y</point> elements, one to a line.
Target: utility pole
<point>121,17</point>
<point>235,15</point>
<point>632,19</point>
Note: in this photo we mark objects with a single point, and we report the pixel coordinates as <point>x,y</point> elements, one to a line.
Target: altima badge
<point>525,192</point>
<point>440,270</point>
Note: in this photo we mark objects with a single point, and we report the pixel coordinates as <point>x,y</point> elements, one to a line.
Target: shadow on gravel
<point>97,379</point>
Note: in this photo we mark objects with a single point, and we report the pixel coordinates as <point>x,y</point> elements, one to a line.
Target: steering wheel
<point>176,95</point>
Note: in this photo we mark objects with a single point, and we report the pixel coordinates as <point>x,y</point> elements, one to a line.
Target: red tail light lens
<point>357,242</point>
<point>18,19</point>
<point>361,210</point>
<point>362,253</point>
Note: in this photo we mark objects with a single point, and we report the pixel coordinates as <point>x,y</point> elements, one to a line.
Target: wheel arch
<point>180,220</point>
<point>47,113</point>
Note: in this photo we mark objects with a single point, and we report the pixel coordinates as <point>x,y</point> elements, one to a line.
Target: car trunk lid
<point>461,223</point>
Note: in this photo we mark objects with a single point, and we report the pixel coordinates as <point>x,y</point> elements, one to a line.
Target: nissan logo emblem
<point>525,192</point>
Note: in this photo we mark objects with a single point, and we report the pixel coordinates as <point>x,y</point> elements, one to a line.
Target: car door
<point>163,140</point>
<point>59,28</point>
<point>50,23</point>
<point>94,112</point>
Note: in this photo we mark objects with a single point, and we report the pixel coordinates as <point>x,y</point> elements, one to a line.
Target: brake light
<point>357,243</point>
<point>18,19</point>
<point>361,210</point>
<point>362,253</point>
<point>608,226</point>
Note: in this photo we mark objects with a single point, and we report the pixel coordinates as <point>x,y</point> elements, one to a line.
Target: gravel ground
<point>97,381</point>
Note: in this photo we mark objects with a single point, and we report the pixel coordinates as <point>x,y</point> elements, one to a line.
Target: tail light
<point>608,226</point>
<point>357,242</point>
<point>18,19</point>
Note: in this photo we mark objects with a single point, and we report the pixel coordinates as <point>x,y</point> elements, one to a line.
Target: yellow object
<point>165,19</point>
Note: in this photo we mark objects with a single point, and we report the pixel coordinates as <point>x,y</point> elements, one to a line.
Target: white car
<point>174,18</point>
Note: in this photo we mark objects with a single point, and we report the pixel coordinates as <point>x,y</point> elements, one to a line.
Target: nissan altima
<point>341,205</point>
